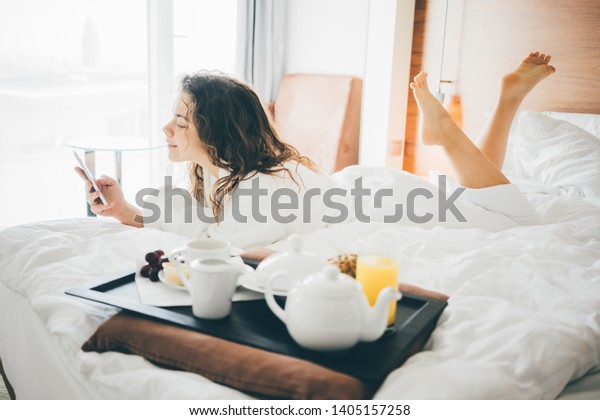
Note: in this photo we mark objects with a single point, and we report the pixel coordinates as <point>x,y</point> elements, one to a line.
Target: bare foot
<point>517,84</point>
<point>435,123</point>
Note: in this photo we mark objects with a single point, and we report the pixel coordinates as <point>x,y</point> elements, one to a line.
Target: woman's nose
<point>168,131</point>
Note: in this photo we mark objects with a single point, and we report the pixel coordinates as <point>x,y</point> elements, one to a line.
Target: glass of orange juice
<point>375,270</point>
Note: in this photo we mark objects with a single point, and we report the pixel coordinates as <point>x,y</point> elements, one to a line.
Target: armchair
<point>320,116</point>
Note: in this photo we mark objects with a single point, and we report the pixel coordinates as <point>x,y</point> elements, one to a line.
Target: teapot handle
<point>269,297</point>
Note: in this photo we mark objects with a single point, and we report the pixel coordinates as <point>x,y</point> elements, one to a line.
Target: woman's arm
<point>131,216</point>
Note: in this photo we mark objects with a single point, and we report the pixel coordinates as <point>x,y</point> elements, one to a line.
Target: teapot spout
<point>377,316</point>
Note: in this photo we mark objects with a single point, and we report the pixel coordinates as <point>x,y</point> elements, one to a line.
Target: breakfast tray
<point>252,323</point>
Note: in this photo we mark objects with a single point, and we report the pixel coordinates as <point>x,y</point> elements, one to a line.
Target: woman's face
<point>183,142</point>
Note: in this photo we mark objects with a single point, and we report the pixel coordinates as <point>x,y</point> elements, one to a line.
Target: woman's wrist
<point>131,216</point>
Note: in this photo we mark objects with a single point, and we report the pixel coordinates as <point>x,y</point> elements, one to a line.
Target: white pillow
<point>557,154</point>
<point>589,122</point>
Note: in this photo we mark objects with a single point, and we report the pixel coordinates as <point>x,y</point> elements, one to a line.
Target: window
<point>204,35</point>
<point>72,69</point>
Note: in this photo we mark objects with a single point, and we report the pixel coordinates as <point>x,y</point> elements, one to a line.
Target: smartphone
<point>90,178</point>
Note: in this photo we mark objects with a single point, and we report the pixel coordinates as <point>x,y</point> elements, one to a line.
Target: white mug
<point>200,249</point>
<point>212,284</point>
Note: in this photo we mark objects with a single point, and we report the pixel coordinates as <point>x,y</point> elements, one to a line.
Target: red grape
<point>152,258</point>
<point>154,273</point>
<point>145,271</point>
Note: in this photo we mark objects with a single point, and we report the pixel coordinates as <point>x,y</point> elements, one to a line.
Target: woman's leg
<point>473,168</point>
<point>478,168</point>
<point>514,87</point>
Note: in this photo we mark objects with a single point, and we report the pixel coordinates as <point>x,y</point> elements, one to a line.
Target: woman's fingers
<point>80,173</point>
<point>93,197</point>
<point>103,183</point>
<point>99,208</point>
<point>110,189</point>
<point>88,184</point>
<point>106,181</point>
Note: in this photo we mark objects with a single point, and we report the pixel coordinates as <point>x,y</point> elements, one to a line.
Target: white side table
<point>118,145</point>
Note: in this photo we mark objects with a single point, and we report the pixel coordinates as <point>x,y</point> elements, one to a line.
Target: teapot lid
<point>330,282</point>
<point>295,262</point>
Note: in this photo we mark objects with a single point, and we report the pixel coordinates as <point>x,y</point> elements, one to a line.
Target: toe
<point>425,85</point>
<point>413,85</point>
<point>419,79</point>
<point>548,59</point>
<point>552,68</point>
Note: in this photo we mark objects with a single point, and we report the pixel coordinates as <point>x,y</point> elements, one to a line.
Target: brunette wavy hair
<point>236,131</point>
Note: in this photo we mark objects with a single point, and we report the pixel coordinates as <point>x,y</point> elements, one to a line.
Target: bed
<point>523,318</point>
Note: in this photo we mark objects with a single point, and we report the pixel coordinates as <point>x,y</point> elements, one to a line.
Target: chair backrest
<point>320,116</point>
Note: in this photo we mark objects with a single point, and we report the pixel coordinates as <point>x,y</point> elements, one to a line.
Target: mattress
<point>522,321</point>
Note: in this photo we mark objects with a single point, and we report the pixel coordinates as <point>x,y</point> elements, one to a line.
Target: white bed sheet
<point>523,319</point>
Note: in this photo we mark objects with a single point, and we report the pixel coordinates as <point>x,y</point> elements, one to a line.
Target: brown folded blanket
<point>248,369</point>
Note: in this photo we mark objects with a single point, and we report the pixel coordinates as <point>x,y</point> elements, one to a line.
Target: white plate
<point>248,281</point>
<point>163,278</point>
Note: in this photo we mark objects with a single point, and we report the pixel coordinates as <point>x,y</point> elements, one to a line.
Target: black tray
<point>252,323</point>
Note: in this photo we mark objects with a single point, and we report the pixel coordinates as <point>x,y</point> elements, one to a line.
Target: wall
<point>387,72</point>
<point>326,36</point>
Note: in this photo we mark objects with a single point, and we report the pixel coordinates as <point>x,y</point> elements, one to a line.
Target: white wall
<point>326,36</point>
<point>386,81</point>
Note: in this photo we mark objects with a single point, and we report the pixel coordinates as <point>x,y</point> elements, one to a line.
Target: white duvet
<point>523,318</point>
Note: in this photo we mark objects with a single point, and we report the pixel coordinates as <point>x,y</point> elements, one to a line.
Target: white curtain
<point>260,43</point>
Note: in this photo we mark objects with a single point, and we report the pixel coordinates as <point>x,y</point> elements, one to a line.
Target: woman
<point>220,127</point>
<point>488,200</point>
<point>479,169</point>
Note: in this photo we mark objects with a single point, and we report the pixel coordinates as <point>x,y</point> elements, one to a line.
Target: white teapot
<point>294,260</point>
<point>328,311</point>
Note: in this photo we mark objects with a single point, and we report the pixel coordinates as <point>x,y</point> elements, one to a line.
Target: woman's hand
<point>117,206</point>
